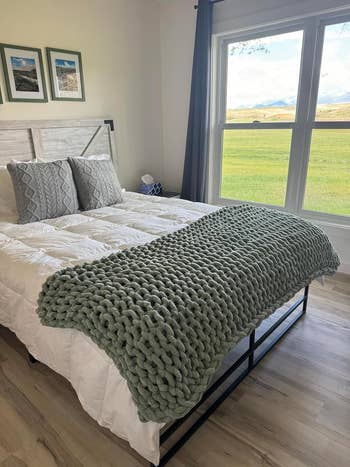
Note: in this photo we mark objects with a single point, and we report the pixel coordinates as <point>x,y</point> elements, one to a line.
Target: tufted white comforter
<point>30,253</point>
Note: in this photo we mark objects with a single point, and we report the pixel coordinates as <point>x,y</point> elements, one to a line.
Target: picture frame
<point>66,75</point>
<point>1,101</point>
<point>24,73</point>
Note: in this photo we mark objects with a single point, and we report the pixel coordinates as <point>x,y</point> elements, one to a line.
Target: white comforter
<point>30,253</point>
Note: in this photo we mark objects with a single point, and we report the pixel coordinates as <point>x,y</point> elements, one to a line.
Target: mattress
<point>30,253</point>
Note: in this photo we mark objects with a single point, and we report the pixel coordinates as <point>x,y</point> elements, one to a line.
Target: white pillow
<point>93,157</point>
<point>8,206</point>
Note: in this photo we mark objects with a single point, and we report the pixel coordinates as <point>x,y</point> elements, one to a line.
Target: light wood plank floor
<point>294,409</point>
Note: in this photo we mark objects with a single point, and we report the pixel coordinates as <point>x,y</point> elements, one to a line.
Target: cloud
<point>259,78</point>
<point>21,62</point>
<point>254,81</point>
<point>65,63</point>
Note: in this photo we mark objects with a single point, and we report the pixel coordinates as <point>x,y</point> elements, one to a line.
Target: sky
<point>19,62</point>
<point>260,78</point>
<point>65,63</point>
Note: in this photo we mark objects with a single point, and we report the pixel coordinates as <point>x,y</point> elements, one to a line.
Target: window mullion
<point>301,136</point>
<point>218,117</point>
<point>258,126</point>
<point>312,110</point>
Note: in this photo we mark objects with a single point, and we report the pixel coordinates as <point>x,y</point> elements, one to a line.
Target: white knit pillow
<point>7,195</point>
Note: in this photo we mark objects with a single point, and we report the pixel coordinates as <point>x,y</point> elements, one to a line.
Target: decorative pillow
<point>7,195</point>
<point>96,157</point>
<point>43,190</point>
<point>97,183</point>
<point>99,157</point>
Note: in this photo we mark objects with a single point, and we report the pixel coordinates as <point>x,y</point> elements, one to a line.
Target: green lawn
<point>255,167</point>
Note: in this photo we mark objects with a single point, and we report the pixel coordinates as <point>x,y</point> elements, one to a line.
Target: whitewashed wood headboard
<point>56,139</point>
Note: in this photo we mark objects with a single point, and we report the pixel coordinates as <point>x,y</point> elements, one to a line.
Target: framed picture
<point>66,75</point>
<point>24,73</point>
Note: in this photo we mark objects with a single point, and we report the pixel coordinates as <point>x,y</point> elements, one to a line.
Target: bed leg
<point>306,296</point>
<point>31,358</point>
<point>251,349</point>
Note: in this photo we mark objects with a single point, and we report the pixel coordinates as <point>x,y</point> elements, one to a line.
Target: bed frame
<point>57,139</point>
<point>46,140</point>
<point>299,306</point>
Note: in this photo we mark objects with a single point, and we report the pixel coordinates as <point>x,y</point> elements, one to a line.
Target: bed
<point>30,253</point>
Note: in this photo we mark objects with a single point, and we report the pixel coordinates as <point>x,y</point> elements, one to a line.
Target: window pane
<point>328,178</point>
<point>255,165</point>
<point>334,93</point>
<point>262,78</point>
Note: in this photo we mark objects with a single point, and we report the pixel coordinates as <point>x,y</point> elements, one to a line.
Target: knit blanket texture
<point>169,311</point>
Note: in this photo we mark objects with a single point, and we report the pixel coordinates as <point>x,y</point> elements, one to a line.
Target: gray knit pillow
<point>97,183</point>
<point>43,190</point>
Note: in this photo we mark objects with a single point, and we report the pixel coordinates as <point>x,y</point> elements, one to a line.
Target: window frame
<point>309,79</point>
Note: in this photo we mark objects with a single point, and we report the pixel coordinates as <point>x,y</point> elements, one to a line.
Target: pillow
<point>43,190</point>
<point>7,195</point>
<point>96,157</point>
<point>97,183</point>
<point>99,157</point>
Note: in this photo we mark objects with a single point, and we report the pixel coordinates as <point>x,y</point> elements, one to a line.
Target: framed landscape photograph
<point>66,75</point>
<point>24,73</point>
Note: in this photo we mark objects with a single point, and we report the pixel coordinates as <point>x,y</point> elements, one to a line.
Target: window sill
<point>329,220</point>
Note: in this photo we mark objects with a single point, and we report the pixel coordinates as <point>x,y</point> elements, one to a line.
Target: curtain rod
<point>212,1</point>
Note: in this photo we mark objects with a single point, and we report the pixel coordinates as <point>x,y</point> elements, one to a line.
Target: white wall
<point>119,41</point>
<point>177,39</point>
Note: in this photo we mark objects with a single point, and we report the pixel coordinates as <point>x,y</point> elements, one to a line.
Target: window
<point>283,118</point>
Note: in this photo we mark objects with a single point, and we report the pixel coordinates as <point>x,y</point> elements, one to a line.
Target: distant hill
<point>290,101</point>
<point>344,98</point>
<point>271,104</point>
<point>285,113</point>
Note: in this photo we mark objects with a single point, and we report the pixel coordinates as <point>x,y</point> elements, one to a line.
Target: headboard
<point>55,139</point>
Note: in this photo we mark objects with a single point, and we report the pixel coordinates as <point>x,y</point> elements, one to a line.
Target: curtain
<point>195,176</point>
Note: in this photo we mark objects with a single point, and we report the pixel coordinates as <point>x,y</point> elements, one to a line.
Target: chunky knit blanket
<point>168,312</point>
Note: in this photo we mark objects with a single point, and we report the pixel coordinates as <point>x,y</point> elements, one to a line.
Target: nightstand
<point>170,194</point>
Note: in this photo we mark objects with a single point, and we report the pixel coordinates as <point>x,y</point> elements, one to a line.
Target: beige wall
<point>177,30</point>
<point>119,41</point>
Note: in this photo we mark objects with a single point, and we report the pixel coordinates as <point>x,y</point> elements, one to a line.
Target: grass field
<point>255,168</point>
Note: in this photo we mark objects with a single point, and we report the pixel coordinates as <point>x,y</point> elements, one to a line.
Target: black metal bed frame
<point>252,363</point>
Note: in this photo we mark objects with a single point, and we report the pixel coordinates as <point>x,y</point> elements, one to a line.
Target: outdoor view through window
<point>262,87</point>
<point>328,178</point>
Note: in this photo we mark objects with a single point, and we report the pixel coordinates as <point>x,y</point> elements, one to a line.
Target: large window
<point>283,118</point>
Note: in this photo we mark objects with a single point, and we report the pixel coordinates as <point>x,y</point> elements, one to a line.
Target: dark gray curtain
<point>194,182</point>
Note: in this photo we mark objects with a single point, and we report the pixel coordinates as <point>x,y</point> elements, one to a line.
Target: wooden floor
<point>294,409</point>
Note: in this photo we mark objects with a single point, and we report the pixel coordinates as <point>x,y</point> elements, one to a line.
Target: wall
<point>234,15</point>
<point>177,39</point>
<point>119,41</point>
<point>177,30</point>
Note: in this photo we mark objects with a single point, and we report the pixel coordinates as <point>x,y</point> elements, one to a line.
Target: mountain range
<point>325,99</point>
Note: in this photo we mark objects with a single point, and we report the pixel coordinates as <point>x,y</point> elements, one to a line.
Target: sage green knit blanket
<point>168,312</point>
